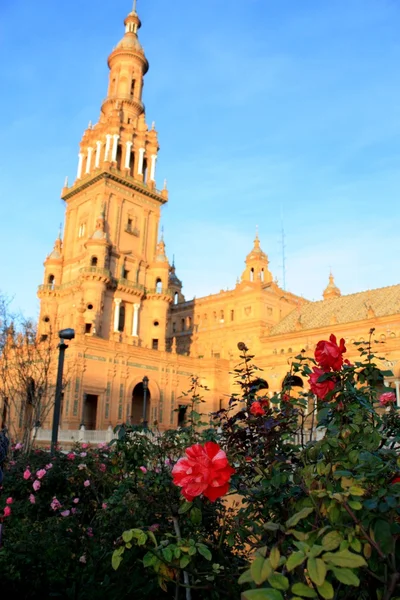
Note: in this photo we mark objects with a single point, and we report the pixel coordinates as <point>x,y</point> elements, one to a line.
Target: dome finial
<point>331,290</point>
<point>134,6</point>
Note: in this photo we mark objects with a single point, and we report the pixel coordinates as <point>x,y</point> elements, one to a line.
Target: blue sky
<point>263,109</point>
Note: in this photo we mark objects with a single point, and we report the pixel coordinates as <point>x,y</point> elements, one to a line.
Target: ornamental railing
<point>96,270</point>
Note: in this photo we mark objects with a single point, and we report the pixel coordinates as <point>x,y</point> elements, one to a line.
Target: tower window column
<point>107,149</point>
<point>115,148</point>
<point>97,160</point>
<point>141,160</point>
<point>89,159</point>
<point>128,154</point>
<point>117,309</point>
<point>153,167</point>
<point>135,321</point>
<point>80,164</point>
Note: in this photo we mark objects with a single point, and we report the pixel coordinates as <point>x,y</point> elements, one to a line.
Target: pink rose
<point>104,505</point>
<point>9,500</point>
<point>82,559</point>
<point>73,511</point>
<point>143,469</point>
<point>102,445</point>
<point>27,473</point>
<point>49,466</point>
<point>81,466</point>
<point>71,456</point>
<point>83,454</point>
<point>18,446</point>
<point>86,483</point>
<point>7,511</point>
<point>41,473</point>
<point>85,445</point>
<point>90,532</point>
<point>36,485</point>
<point>387,398</point>
<point>55,504</point>
<point>32,499</point>
<point>75,500</point>
<point>103,468</point>
<point>65,513</point>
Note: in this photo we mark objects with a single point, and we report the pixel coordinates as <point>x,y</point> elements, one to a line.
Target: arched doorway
<point>137,404</point>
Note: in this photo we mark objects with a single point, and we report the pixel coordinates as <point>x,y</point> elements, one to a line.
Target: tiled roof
<point>345,309</point>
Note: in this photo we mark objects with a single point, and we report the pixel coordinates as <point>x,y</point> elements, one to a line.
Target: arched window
<point>50,280</point>
<point>176,298</point>
<point>121,322</point>
<point>93,261</point>
<point>221,316</point>
<point>251,274</point>
<point>119,157</point>
<point>132,88</point>
<point>182,324</point>
<point>188,323</point>
<point>158,286</point>
<point>262,274</point>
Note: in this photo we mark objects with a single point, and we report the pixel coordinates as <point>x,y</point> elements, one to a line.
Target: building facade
<point>109,278</point>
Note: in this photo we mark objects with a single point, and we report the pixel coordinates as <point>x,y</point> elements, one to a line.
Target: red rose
<point>256,409</point>
<point>329,355</point>
<point>320,388</point>
<point>205,470</point>
<point>396,479</point>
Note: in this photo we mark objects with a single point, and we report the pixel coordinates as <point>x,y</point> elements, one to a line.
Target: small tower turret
<point>257,265</point>
<point>331,290</point>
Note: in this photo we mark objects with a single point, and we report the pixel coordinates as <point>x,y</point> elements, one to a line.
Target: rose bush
<point>284,496</point>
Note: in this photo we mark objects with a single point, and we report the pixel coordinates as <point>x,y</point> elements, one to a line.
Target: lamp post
<point>145,382</point>
<point>64,334</point>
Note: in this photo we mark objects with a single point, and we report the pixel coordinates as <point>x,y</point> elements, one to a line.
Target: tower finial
<point>256,232</point>
<point>60,231</point>
<point>134,6</point>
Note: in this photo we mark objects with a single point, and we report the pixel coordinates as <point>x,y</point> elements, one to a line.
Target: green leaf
<point>116,560</point>
<point>245,577</point>
<point>195,516</point>
<point>270,526</point>
<point>274,558</point>
<point>317,570</point>
<point>346,576</point>
<point>355,505</point>
<point>326,590</point>
<point>356,545</point>
<point>322,414</point>
<point>152,537</point>
<point>167,554</point>
<point>192,551</point>
<point>177,553</point>
<point>185,560</point>
<point>185,507</point>
<point>278,581</point>
<point>383,536</point>
<point>302,514</point>
<point>294,560</point>
<point>263,594</point>
<point>299,535</point>
<point>331,541</point>
<point>345,558</point>
<point>260,569</point>
<point>127,536</point>
<point>315,550</point>
<point>356,490</point>
<point>204,551</point>
<point>303,590</point>
<point>149,559</point>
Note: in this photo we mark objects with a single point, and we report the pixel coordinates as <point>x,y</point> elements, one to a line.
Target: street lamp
<point>64,334</point>
<point>145,382</point>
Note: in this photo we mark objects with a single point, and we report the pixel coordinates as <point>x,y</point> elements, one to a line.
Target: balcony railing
<point>130,284</point>
<point>96,270</point>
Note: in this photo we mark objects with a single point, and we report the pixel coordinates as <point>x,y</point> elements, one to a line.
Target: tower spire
<point>134,6</point>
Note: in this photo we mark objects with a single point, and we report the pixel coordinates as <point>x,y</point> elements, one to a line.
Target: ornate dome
<point>331,290</point>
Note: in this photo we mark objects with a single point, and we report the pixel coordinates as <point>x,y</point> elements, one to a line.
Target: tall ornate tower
<point>109,275</point>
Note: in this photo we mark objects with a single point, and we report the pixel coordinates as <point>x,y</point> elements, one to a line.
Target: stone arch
<point>134,408</point>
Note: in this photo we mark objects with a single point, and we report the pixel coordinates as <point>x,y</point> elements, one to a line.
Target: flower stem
<point>185,573</point>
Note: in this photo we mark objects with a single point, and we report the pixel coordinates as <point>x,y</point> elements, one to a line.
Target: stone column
<point>153,167</point>
<point>115,148</point>
<point>117,302</point>
<point>89,159</point>
<point>128,155</point>
<point>97,161</point>
<point>140,162</point>
<point>135,320</point>
<point>80,164</point>
<point>107,150</point>
<point>397,384</point>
